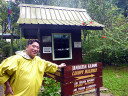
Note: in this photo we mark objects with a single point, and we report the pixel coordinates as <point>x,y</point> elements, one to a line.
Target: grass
<point>116,80</point>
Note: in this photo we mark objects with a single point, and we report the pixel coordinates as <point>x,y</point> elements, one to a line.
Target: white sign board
<point>77,44</point>
<point>47,50</point>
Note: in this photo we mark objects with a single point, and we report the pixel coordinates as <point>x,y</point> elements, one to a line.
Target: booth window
<point>61,46</point>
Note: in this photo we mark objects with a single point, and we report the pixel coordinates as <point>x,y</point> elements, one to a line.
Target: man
<point>22,74</point>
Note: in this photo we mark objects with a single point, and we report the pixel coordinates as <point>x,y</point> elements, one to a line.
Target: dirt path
<point>92,93</point>
<point>88,93</point>
<point>1,90</point>
<point>101,94</point>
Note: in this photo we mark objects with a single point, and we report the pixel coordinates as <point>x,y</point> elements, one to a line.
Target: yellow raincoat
<point>25,74</point>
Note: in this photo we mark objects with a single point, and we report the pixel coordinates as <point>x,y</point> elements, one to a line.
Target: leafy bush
<point>4,49</point>
<point>108,50</point>
<point>51,88</point>
<point>16,44</point>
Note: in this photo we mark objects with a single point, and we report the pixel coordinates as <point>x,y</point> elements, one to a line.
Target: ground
<point>92,93</point>
<point>88,93</point>
<point>1,90</point>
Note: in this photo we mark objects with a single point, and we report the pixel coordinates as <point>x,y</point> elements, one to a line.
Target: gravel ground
<point>1,90</point>
<point>88,93</point>
<point>92,93</point>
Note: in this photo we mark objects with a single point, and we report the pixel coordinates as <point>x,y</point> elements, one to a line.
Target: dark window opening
<point>62,47</point>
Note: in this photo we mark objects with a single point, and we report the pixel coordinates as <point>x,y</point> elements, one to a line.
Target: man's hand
<point>8,89</point>
<point>61,65</point>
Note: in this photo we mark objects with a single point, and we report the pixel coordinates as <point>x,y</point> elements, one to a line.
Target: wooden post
<point>62,80</point>
<point>11,43</point>
<point>38,36</point>
<point>97,91</point>
<point>20,40</point>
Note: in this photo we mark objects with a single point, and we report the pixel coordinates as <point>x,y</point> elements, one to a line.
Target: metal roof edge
<point>51,7</point>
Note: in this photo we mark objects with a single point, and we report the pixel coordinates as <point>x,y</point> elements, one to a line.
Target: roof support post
<point>20,40</point>
<point>38,36</point>
<point>11,44</point>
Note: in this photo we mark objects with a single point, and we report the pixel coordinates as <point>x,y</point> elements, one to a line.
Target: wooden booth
<point>59,31</point>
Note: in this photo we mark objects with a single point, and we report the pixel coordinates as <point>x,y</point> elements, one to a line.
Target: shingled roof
<point>53,15</point>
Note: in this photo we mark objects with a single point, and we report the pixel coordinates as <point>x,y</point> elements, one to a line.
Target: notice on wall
<point>47,50</point>
<point>46,39</point>
<point>77,44</point>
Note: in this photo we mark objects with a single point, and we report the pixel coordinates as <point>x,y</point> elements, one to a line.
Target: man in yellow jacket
<point>22,74</point>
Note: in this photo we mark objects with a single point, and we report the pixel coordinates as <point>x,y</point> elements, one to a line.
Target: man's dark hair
<point>31,41</point>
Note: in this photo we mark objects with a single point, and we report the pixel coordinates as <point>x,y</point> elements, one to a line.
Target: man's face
<point>32,50</point>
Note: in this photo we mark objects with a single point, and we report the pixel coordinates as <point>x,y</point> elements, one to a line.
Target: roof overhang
<point>40,15</point>
<point>8,36</point>
<point>51,26</point>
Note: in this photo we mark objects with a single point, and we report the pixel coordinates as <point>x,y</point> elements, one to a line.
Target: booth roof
<point>54,15</point>
<point>8,36</point>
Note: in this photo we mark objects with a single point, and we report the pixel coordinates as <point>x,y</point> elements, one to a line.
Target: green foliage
<point>123,4</point>
<point>115,79</point>
<point>4,16</point>
<point>50,88</point>
<point>16,44</point>
<point>62,3</point>
<point>4,49</point>
<point>113,48</point>
<point>15,10</point>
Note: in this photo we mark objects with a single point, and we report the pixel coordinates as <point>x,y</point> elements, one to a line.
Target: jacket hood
<point>23,53</point>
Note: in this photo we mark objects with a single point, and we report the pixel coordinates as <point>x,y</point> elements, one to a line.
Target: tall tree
<point>123,4</point>
<point>63,3</point>
<point>3,15</point>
